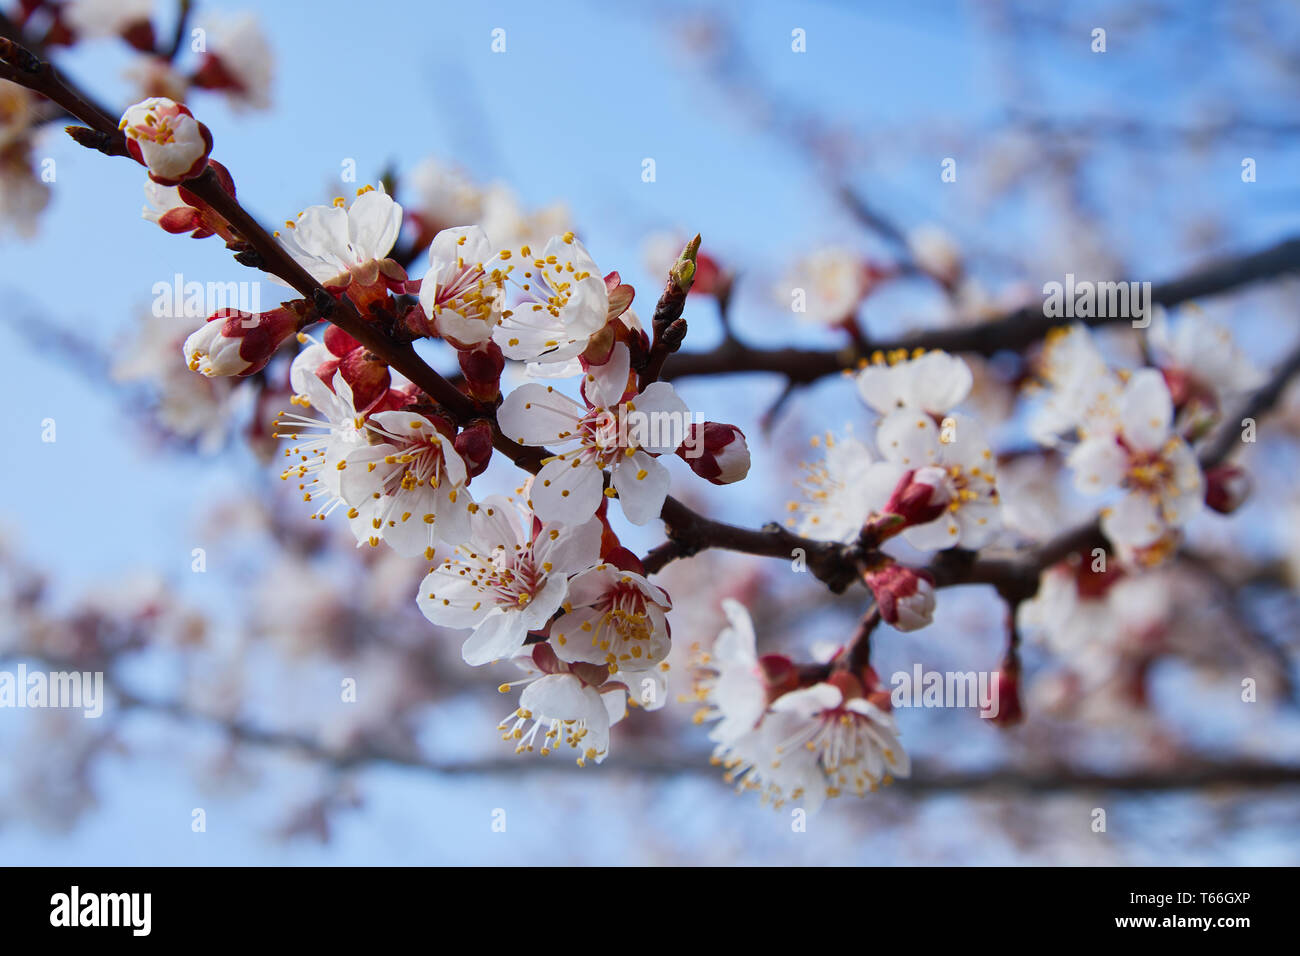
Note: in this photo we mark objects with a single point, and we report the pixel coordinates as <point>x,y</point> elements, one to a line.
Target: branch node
<point>20,57</point>
<point>323,301</point>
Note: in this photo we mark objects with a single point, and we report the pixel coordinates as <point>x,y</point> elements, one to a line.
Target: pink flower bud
<point>213,74</point>
<point>238,343</point>
<point>164,136</point>
<point>716,452</point>
<point>1226,488</point>
<point>339,342</point>
<point>368,377</point>
<point>179,211</point>
<point>474,445</point>
<point>905,595</point>
<point>1006,682</point>
<point>710,277</point>
<point>482,367</point>
<point>920,496</point>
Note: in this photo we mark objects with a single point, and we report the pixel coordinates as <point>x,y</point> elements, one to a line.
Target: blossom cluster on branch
<point>376,438</point>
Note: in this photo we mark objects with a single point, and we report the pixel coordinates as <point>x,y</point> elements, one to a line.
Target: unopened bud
<point>474,445</point>
<point>164,136</point>
<point>716,452</point>
<point>683,270</point>
<point>1006,686</point>
<point>238,343</point>
<point>1226,488</point>
<point>139,35</point>
<point>904,595</point>
<point>368,377</point>
<point>482,367</point>
<point>920,496</point>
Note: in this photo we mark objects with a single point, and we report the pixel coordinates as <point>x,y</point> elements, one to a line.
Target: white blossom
<point>336,244</point>
<point>841,491</point>
<point>834,281</point>
<point>1137,451</point>
<point>613,617</point>
<point>911,439</point>
<point>163,135</point>
<point>562,302</point>
<point>409,487</point>
<point>613,428</point>
<point>933,382</point>
<point>508,578</point>
<point>463,289</point>
<point>320,444</point>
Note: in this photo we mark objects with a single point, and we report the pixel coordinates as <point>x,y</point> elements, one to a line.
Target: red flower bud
<point>139,35</point>
<point>905,595</point>
<point>482,368</point>
<point>212,74</point>
<point>716,452</point>
<point>1006,685</point>
<point>474,445</point>
<point>339,342</point>
<point>710,279</point>
<point>1226,488</point>
<point>238,343</point>
<point>368,377</point>
<point>920,497</point>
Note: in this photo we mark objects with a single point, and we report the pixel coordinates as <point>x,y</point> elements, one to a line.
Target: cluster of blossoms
<point>1095,622</point>
<point>929,477</point>
<point>790,737</point>
<point>225,54</point>
<point>540,579</point>
<point>1131,434</point>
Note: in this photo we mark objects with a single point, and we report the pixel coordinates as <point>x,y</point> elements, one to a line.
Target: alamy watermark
<point>922,688</point>
<point>179,299</point>
<point>57,689</point>
<point>130,910</point>
<point>1106,300</point>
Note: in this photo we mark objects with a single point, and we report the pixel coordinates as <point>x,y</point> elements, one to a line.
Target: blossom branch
<point>1010,332</point>
<point>40,76</point>
<point>1014,578</point>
